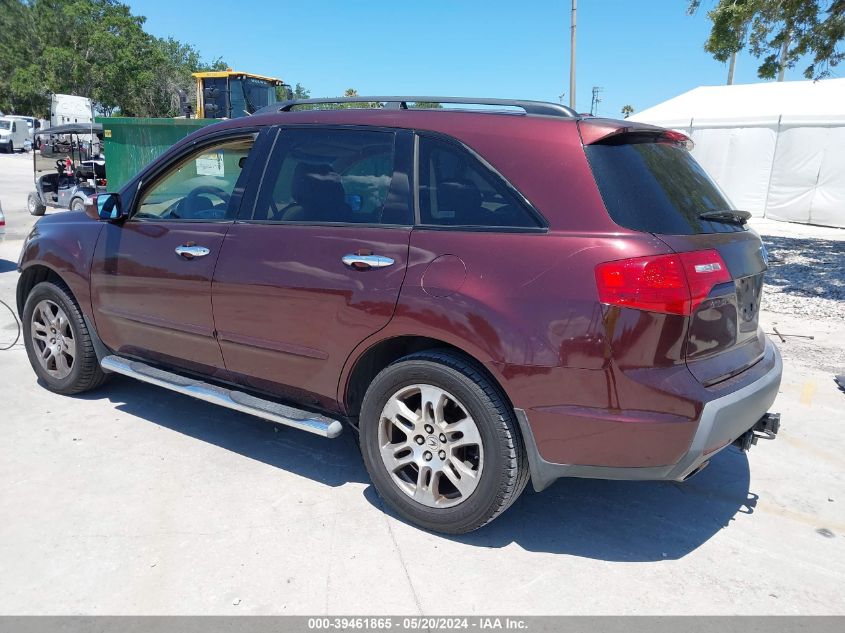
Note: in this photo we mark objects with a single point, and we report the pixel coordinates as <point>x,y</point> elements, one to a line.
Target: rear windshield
<point>656,187</point>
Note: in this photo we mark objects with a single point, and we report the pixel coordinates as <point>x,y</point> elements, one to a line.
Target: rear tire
<point>34,204</point>
<point>470,464</point>
<point>57,341</point>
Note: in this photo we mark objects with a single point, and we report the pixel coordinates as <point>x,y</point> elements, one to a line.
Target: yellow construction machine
<point>229,94</point>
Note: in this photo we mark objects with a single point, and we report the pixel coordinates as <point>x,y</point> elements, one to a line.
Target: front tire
<point>34,204</point>
<point>57,341</point>
<point>441,444</point>
<point>77,204</point>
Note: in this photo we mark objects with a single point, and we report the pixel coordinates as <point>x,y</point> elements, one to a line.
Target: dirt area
<point>804,292</point>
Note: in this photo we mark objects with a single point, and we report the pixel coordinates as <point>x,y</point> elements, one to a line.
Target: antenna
<point>597,90</point>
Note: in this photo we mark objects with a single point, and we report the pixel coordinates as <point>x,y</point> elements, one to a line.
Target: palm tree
<point>627,110</point>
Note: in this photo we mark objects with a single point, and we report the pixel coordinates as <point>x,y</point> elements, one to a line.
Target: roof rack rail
<point>401,103</point>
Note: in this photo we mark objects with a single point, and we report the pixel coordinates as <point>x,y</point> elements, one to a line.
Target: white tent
<point>776,149</point>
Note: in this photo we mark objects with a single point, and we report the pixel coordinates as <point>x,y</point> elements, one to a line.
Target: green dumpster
<point>131,143</point>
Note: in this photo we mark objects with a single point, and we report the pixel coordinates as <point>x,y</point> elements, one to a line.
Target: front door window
<point>198,188</point>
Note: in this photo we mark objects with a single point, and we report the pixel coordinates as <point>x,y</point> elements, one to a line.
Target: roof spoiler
<point>611,132</point>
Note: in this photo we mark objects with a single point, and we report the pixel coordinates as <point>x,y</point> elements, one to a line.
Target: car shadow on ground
<point>628,521</point>
<point>6,266</point>
<point>330,462</point>
<point>605,520</point>
<point>807,267</point>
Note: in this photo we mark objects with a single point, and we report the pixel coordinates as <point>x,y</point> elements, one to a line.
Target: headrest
<point>458,198</point>
<point>317,185</point>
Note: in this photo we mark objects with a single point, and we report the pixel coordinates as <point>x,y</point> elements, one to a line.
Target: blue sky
<point>641,52</point>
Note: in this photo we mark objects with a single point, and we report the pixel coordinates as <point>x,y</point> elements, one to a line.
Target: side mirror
<point>106,207</point>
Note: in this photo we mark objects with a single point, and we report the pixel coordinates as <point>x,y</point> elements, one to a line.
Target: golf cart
<point>68,167</point>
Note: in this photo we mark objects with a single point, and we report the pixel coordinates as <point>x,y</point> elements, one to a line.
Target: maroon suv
<point>485,296</point>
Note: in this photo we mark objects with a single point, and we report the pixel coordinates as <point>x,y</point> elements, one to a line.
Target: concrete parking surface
<point>135,500</point>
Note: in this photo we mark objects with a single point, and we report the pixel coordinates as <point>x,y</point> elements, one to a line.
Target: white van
<point>32,123</point>
<point>14,134</point>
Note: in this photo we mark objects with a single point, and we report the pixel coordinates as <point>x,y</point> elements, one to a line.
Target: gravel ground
<point>806,274</point>
<point>804,293</point>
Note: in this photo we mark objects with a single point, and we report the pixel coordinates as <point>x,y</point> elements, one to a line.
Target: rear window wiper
<point>727,215</point>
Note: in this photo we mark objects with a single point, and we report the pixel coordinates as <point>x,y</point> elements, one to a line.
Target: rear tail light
<point>674,284</point>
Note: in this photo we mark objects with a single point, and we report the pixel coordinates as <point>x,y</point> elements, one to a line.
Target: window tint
<point>328,175</point>
<point>199,187</point>
<point>657,188</point>
<point>455,189</point>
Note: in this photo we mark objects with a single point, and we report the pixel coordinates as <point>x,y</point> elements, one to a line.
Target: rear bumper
<point>722,421</point>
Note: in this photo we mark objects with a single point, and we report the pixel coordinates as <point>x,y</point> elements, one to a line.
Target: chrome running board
<point>231,399</point>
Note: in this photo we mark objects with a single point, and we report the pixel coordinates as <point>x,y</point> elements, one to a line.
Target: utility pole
<point>594,104</point>
<point>572,57</point>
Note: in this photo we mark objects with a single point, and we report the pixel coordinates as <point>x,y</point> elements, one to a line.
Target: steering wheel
<point>192,199</point>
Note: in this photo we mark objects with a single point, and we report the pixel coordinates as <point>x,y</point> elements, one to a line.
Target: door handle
<point>191,251</point>
<point>363,262</point>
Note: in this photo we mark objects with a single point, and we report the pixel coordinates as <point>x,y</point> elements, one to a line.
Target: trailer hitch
<point>766,428</point>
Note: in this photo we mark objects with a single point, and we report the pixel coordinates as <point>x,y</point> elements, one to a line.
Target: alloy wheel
<point>430,446</point>
<point>52,338</point>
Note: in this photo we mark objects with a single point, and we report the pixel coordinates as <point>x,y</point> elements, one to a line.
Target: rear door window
<point>329,175</point>
<point>656,188</point>
<point>456,189</point>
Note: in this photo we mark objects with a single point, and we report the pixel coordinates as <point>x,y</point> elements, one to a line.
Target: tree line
<point>93,48</point>
<point>779,33</point>
<point>99,49</point>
